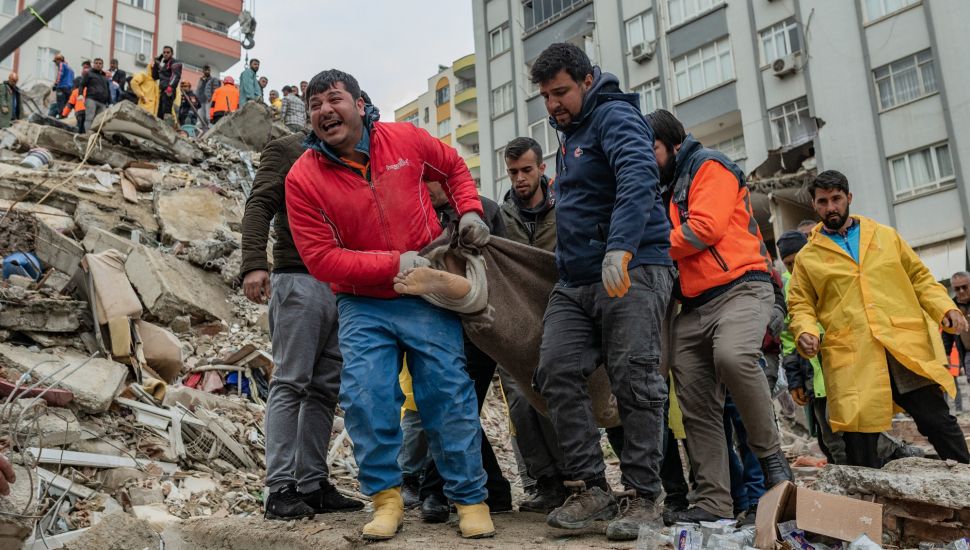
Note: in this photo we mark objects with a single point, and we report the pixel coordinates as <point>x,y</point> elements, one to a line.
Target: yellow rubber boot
<point>475,521</point>
<point>388,515</point>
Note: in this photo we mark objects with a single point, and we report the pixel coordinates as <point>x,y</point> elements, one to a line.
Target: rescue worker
<point>76,102</point>
<point>727,300</point>
<point>359,212</point>
<point>145,88</point>
<point>225,100</point>
<point>881,310</point>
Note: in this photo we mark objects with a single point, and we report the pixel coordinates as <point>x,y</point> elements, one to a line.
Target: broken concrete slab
<point>170,287</point>
<point>120,218</point>
<point>250,128</point>
<point>156,515</point>
<point>114,295</point>
<point>98,240</point>
<point>57,426</point>
<point>56,218</point>
<point>191,214</point>
<point>117,531</point>
<point>94,384</point>
<point>56,250</point>
<point>42,314</point>
<point>144,179</point>
<point>68,143</point>
<point>143,496</point>
<point>130,126</point>
<point>162,349</point>
<point>14,527</point>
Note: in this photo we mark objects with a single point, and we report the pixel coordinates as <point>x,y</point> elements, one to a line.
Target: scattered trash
<point>37,157</point>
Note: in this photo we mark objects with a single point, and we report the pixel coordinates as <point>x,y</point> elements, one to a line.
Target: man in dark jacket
<point>615,281</point>
<point>207,85</point>
<point>168,72</point>
<point>530,219</point>
<point>481,368</point>
<point>960,281</point>
<point>63,84</point>
<point>9,101</point>
<point>97,90</point>
<point>190,105</point>
<point>303,393</point>
<point>120,78</point>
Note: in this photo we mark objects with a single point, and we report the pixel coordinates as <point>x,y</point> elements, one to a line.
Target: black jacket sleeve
<point>265,200</point>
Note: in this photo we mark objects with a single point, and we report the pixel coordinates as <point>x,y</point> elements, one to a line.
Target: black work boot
<point>286,503</point>
<point>693,514</point>
<point>435,508</point>
<point>410,491</point>
<point>635,510</point>
<point>550,494</point>
<point>328,499</point>
<point>584,506</point>
<point>776,469</point>
<point>747,520</point>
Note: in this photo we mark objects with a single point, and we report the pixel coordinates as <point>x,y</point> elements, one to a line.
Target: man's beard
<point>835,223</point>
<point>529,194</point>
<point>667,173</point>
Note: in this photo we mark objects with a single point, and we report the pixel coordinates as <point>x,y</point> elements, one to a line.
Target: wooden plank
<point>94,460</point>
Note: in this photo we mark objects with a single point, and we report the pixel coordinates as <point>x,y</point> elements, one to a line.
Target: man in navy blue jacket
<point>615,281</point>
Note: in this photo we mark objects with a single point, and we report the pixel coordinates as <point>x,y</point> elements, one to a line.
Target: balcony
<point>203,41</point>
<point>474,162</point>
<point>467,134</point>
<point>466,98</point>
<point>223,12</point>
<point>464,67</point>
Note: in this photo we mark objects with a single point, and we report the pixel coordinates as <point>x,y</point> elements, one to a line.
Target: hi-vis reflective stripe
<point>692,238</point>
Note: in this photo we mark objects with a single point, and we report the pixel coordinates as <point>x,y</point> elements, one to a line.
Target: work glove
<point>411,260</point>
<point>168,90</point>
<point>776,323</point>
<point>473,231</point>
<point>616,278</point>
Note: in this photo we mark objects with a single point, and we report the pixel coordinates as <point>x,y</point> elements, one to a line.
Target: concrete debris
<point>58,220</point>
<point>98,240</point>
<point>132,127</point>
<point>249,128</point>
<point>114,296</point>
<point>70,144</point>
<point>170,287</point>
<point>41,314</point>
<point>190,214</point>
<point>144,179</point>
<point>94,381</point>
<point>117,531</point>
<point>163,353</point>
<point>14,527</point>
<point>54,249</point>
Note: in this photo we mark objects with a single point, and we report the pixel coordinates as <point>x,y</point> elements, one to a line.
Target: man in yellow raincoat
<point>881,309</point>
<point>146,89</point>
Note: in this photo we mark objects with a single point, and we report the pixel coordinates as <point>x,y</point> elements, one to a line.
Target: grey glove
<point>473,231</point>
<point>777,322</point>
<point>411,260</point>
<point>616,278</point>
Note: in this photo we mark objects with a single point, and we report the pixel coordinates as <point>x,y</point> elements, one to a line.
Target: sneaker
<point>583,507</point>
<point>550,494</point>
<point>410,491</point>
<point>634,512</point>
<point>328,499</point>
<point>286,503</point>
<point>747,519</point>
<point>691,515</point>
<point>435,509</point>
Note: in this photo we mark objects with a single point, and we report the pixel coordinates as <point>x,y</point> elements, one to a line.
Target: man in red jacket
<point>359,211</point>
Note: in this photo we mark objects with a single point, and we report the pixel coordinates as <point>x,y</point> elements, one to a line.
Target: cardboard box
<point>815,513</point>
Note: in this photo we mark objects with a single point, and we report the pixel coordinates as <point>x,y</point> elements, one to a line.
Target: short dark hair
<point>286,89</point>
<point>666,128</point>
<point>806,223</point>
<point>829,179</point>
<point>85,63</point>
<point>253,60</point>
<point>561,56</point>
<point>520,145</point>
<point>206,66</point>
<point>113,60</point>
<point>366,97</point>
<point>168,48</point>
<point>96,59</point>
<point>325,80</point>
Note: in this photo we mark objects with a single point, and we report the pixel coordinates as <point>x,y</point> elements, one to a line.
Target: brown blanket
<point>519,279</point>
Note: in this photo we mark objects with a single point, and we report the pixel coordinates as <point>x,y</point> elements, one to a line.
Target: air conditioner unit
<point>643,52</point>
<point>784,66</point>
<point>141,59</point>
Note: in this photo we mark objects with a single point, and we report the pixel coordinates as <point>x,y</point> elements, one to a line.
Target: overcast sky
<point>392,47</point>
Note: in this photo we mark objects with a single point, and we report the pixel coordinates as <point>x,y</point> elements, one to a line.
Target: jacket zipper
<point>380,212</point>
<point>717,257</point>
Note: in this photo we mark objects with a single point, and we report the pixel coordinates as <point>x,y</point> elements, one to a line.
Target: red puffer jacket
<point>350,230</point>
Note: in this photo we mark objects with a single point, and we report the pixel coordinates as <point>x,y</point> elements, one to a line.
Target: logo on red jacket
<point>578,152</point>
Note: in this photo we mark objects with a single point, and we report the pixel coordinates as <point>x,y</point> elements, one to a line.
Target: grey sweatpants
<point>92,108</point>
<point>716,348</point>
<point>303,392</point>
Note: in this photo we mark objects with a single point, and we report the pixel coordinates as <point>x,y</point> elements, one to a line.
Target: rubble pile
<point>133,376</point>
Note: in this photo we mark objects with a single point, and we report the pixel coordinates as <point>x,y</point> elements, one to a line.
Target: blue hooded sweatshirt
<point>607,185</point>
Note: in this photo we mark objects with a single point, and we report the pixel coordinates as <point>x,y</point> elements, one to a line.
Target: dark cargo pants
<point>577,322</point>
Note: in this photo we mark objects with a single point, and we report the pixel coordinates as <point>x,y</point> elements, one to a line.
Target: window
<point>539,13</point>
<point>45,67</point>
<point>499,163</point>
<point>444,127</point>
<point>650,99</point>
<point>880,8</point>
<point>502,99</point>
<point>141,4</point>
<point>733,148</point>
<point>427,115</point>
<point>442,95</point>
<point>905,80</point>
<point>682,10</point>
<point>132,39</point>
<point>412,118</point>
<point>791,124</point>
<point>703,69</point>
<point>92,27</point>
<point>56,23</point>
<point>8,7</point>
<point>545,134</point>
<point>920,171</point>
<point>779,40</point>
<point>498,41</point>
<point>639,30</point>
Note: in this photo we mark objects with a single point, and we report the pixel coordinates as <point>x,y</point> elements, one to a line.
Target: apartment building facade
<point>787,88</point>
<point>133,31</point>
<point>449,110</point>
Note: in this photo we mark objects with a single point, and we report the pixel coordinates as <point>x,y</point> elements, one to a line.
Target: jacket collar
<point>866,233</point>
<point>544,206</point>
<point>606,87</point>
<point>371,115</point>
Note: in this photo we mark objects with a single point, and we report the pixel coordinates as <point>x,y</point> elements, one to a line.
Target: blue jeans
<point>374,334</point>
<point>747,479</point>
